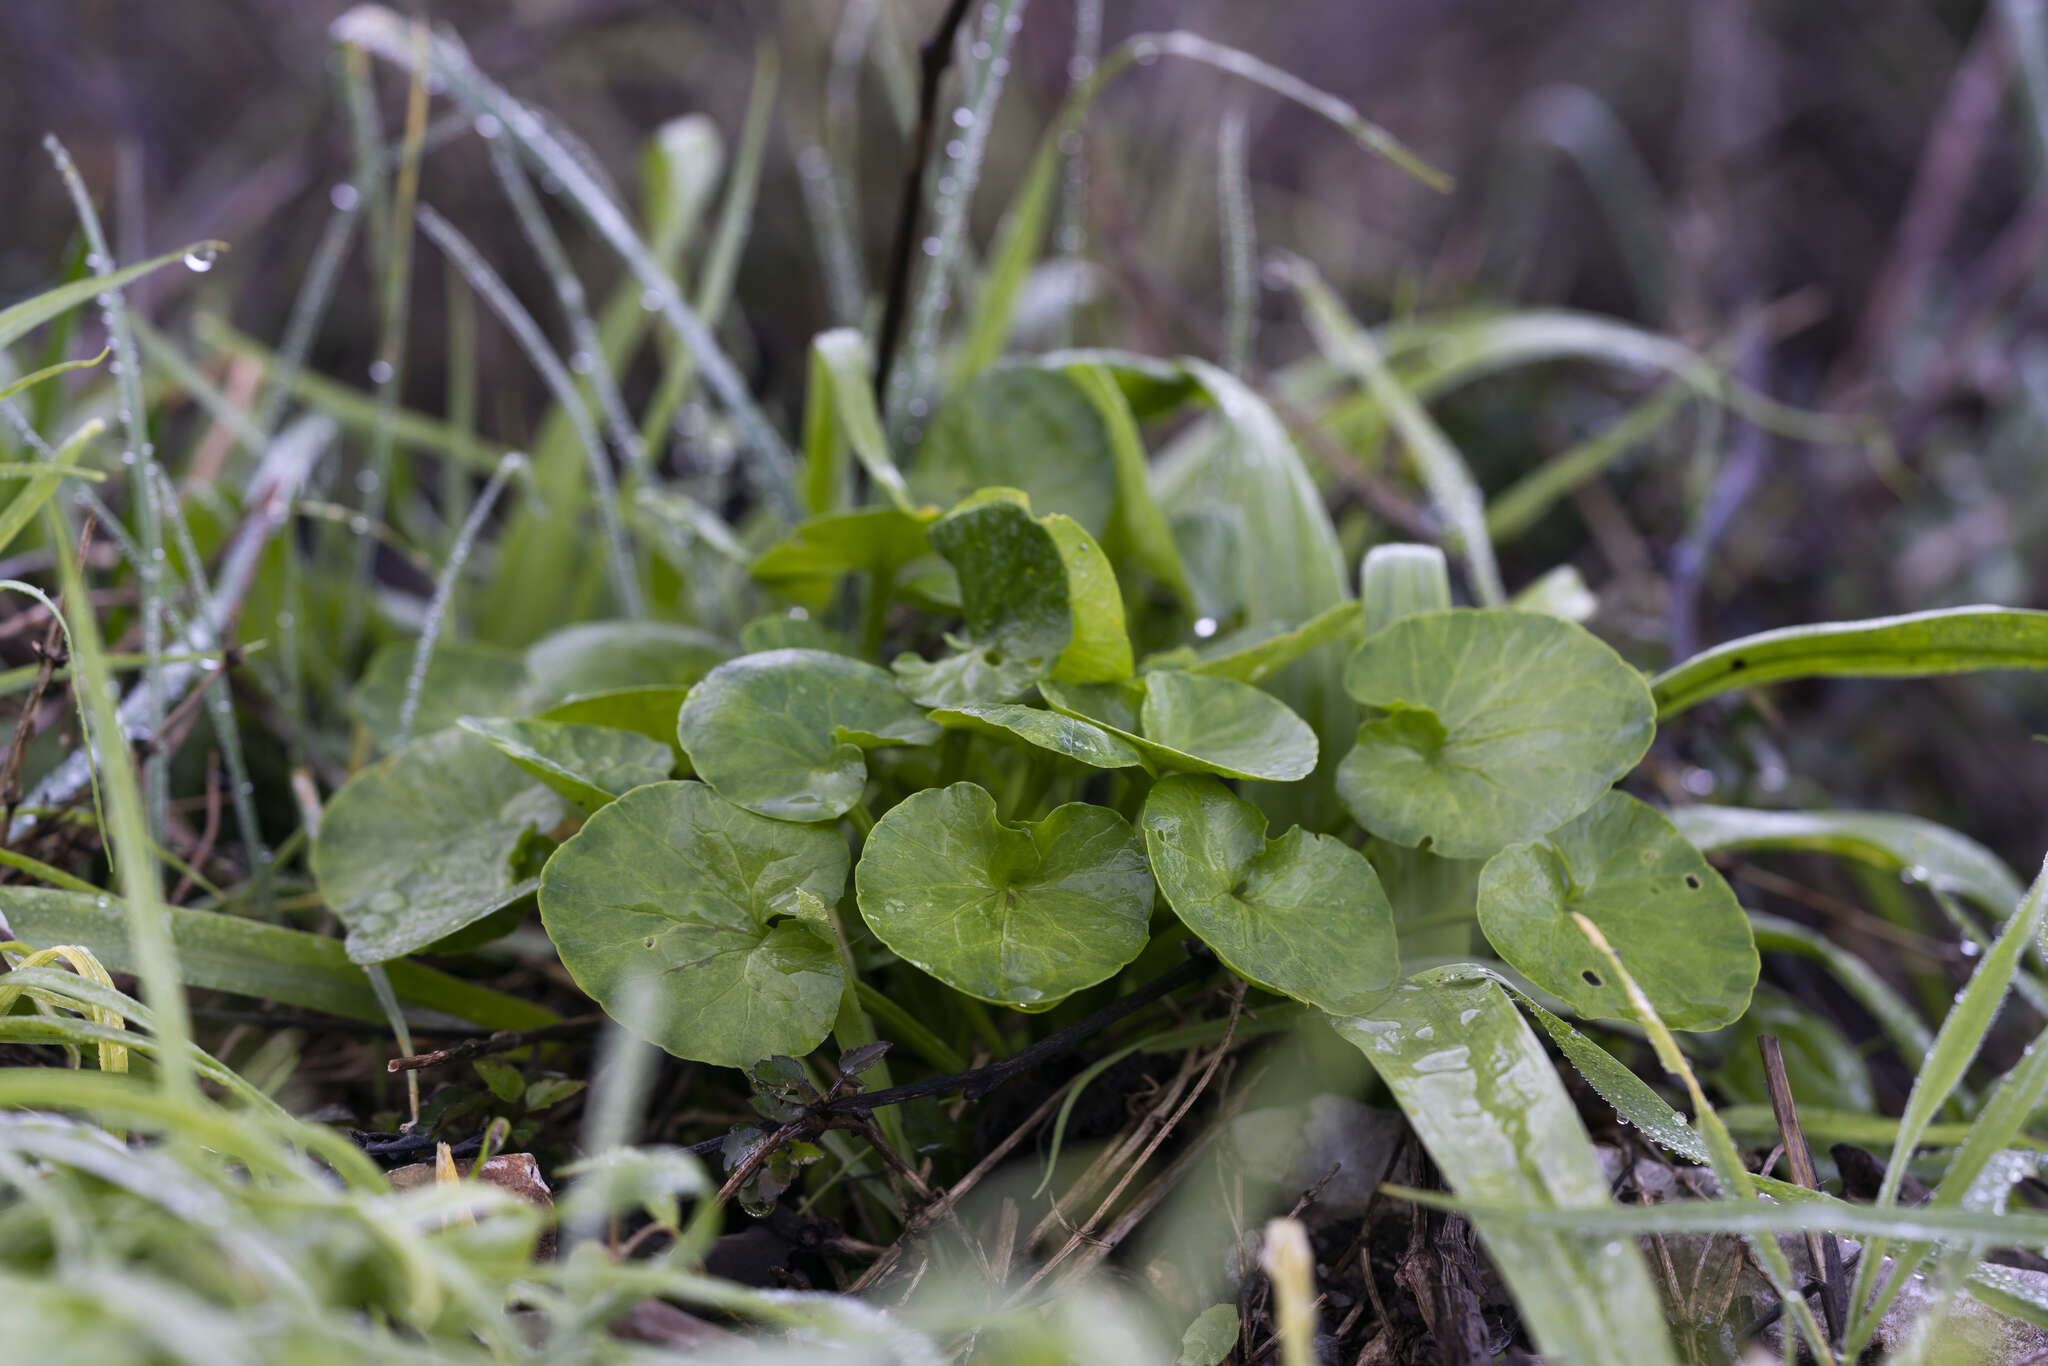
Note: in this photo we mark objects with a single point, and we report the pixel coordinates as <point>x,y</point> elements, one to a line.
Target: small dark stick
<point>1825,1254</point>
<point>933,57</point>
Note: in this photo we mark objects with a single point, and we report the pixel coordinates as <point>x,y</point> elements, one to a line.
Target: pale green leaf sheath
<point>720,909</point>
<point>420,845</point>
<point>1302,915</point>
<point>1017,915</point>
<point>1662,906</point>
<point>784,732</point>
<point>1487,727</point>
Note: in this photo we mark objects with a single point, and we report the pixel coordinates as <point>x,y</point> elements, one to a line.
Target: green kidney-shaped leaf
<point>1667,913</point>
<point>1487,727</point>
<point>461,680</point>
<point>1023,428</point>
<point>1302,915</point>
<point>590,765</point>
<point>696,923</point>
<point>421,845</point>
<point>1082,741</point>
<point>1017,915</point>
<point>783,732</point>
<point>1192,723</point>
<point>599,656</point>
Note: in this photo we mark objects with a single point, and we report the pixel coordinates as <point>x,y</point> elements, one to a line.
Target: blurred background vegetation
<point>1841,202</point>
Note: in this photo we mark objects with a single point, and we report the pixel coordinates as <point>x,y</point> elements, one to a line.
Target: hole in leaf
<point>1592,978</point>
<point>1692,880</point>
<point>648,942</point>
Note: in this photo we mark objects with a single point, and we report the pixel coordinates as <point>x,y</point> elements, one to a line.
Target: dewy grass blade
<point>64,367</point>
<point>29,500</point>
<point>394,304</point>
<point>220,710</point>
<point>840,370</point>
<point>309,306</point>
<point>605,493</point>
<point>383,32</point>
<point>1496,1119</point>
<point>1956,1045</point>
<point>140,457</point>
<point>277,483</point>
<point>1738,1186</point>
<point>1947,641</point>
<point>1518,507</point>
<point>587,358</point>
<point>444,592</point>
<point>18,320</point>
<point>952,194</point>
<point>1023,226</point>
<point>148,924</point>
<point>1442,470</point>
<point>1240,244</point>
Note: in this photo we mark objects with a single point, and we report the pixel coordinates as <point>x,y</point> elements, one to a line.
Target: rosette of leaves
<point>1040,600</point>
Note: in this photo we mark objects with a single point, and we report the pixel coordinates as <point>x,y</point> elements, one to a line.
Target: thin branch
<point>504,1041</point>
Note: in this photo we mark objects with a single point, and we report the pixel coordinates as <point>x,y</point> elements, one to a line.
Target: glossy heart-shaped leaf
<point>461,680</point>
<point>698,924</point>
<point>599,656</point>
<point>419,846</point>
<point>1487,727</point>
<point>590,765</point>
<point>783,733</point>
<point>1302,915</point>
<point>1195,724</point>
<point>1018,915</point>
<point>1084,742</point>
<point>1663,908</point>
<point>1022,428</point>
<point>1040,599</point>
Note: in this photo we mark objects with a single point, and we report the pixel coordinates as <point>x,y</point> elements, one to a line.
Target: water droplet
<point>919,407</point>
<point>963,117</point>
<point>582,362</point>
<point>980,50</point>
<point>367,481</point>
<point>1145,53</point>
<point>1080,68</point>
<point>1205,627</point>
<point>487,126</point>
<point>102,902</point>
<point>956,149</point>
<point>1698,781</point>
<point>650,299</point>
<point>380,372</point>
<point>1425,1032</point>
<point>360,525</point>
<point>128,458</point>
<point>201,258</point>
<point>1012,22</point>
<point>1915,873</point>
<point>551,183</point>
<point>1969,948</point>
<point>999,67</point>
<point>931,246</point>
<point>799,614</point>
<point>344,197</point>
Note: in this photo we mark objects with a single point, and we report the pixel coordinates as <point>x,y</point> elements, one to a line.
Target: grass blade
<point>1437,463</point>
<point>1948,641</point>
<point>220,952</point>
<point>1923,851</point>
<point>1956,1045</point>
<point>1485,1102</point>
<point>18,320</point>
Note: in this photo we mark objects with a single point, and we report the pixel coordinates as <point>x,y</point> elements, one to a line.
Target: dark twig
<point>1823,1252</point>
<point>933,58</point>
<point>24,727</point>
<point>504,1041</point>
